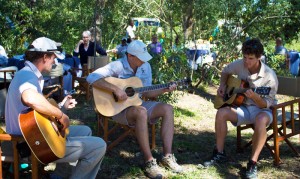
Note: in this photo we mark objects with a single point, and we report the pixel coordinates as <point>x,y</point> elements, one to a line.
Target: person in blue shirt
<point>84,152</point>
<point>85,48</point>
<point>281,50</point>
<point>155,47</point>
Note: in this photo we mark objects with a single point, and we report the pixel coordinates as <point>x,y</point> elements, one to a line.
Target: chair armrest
<point>8,137</point>
<point>284,117</point>
<point>285,104</point>
<point>7,71</point>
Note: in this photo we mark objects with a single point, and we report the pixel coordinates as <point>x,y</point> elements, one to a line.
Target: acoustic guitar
<point>107,104</point>
<point>234,93</point>
<point>44,135</point>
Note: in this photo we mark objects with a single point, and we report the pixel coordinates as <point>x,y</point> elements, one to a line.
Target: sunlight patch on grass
<point>179,112</point>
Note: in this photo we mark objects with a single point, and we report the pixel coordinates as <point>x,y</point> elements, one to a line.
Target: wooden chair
<point>15,158</point>
<point>109,127</point>
<point>285,120</point>
<point>93,64</point>
<point>6,80</point>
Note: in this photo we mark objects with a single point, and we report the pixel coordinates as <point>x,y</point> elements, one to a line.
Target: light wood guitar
<point>44,135</point>
<point>234,93</point>
<point>107,104</point>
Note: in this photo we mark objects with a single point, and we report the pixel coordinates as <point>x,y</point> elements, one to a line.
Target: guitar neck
<point>153,88</point>
<point>259,90</point>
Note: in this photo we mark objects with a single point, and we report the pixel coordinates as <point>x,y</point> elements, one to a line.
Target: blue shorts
<point>149,105</point>
<point>246,114</point>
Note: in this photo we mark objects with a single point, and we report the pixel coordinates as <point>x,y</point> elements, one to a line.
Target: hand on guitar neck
<point>234,92</point>
<point>127,94</point>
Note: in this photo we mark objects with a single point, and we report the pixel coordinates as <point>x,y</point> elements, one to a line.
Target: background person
<point>85,48</point>
<point>155,47</point>
<point>130,31</point>
<point>83,151</point>
<point>3,57</point>
<point>121,49</point>
<point>281,50</point>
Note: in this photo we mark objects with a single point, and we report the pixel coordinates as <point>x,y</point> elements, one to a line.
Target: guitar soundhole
<point>129,91</point>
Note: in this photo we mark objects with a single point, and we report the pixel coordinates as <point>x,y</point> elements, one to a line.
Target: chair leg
<point>153,132</point>
<point>119,139</point>
<point>105,129</point>
<point>276,150</point>
<point>238,139</point>
<point>1,163</point>
<point>34,167</point>
<point>16,160</point>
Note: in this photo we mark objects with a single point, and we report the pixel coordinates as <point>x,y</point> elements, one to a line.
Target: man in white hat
<point>25,91</point>
<point>135,64</point>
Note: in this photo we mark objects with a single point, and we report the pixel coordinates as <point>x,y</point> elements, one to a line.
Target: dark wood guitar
<point>107,104</point>
<point>234,93</point>
<point>44,135</point>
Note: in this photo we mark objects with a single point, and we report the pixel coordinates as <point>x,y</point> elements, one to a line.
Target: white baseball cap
<point>44,44</point>
<point>139,49</point>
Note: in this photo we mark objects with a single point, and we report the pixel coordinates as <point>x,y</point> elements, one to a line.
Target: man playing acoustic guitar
<point>25,91</point>
<point>254,109</point>
<point>137,116</point>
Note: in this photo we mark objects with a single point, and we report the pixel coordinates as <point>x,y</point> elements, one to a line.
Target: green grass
<point>192,145</point>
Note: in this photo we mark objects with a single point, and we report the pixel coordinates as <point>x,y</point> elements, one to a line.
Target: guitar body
<point>230,98</point>
<point>239,98</point>
<point>42,136</point>
<point>105,102</point>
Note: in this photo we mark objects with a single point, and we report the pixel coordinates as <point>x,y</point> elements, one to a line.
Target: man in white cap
<point>135,64</point>
<point>25,91</point>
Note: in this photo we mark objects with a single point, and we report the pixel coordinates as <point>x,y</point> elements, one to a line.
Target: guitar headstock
<point>262,90</point>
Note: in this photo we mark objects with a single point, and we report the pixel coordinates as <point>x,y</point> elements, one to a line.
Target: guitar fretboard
<point>152,88</point>
<point>258,90</point>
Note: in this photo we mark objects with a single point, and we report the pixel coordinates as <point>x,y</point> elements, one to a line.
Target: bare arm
<point>259,101</point>
<point>38,102</point>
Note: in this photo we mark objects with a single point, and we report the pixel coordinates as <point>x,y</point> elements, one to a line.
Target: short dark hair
<point>253,46</point>
<point>33,56</point>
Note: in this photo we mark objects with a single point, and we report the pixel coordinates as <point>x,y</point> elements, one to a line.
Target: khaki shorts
<point>247,114</point>
<point>149,105</point>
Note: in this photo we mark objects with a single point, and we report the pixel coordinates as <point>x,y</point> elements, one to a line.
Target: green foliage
<point>169,66</point>
<point>276,62</point>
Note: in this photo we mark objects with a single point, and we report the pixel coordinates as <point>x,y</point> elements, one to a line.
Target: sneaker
<point>153,170</point>
<point>170,162</point>
<point>251,171</point>
<point>217,158</point>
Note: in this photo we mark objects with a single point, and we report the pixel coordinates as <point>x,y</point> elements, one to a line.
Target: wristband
<point>60,116</point>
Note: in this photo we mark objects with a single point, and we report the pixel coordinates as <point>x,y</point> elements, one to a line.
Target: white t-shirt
<point>129,31</point>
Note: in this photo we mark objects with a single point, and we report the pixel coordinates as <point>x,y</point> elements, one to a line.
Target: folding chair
<point>14,156</point>
<point>285,120</point>
<point>109,127</point>
<point>6,75</point>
